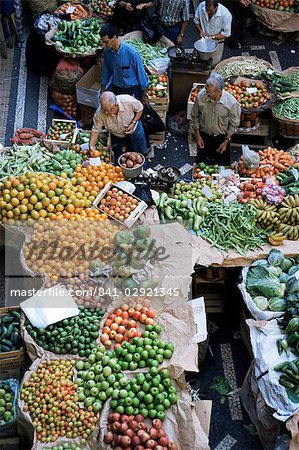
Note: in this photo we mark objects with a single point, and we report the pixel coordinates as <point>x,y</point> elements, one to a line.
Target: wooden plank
<point>275,60</point>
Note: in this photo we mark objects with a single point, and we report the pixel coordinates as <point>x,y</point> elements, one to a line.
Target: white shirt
<point>220,22</point>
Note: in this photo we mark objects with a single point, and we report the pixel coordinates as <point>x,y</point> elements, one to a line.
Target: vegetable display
<point>74,335</point>
<point>283,218</point>
<point>7,402</point>
<point>232,225</point>
<point>118,204</point>
<point>194,93</point>
<point>289,180</point>
<point>200,188</point>
<point>75,10</point>
<point>48,394</point>
<point>158,86</point>
<point>247,66</point>
<point>201,170</point>
<point>269,282</point>
<point>131,160</point>
<point>281,83</point>
<point>148,52</point>
<point>104,8</point>
<point>287,109</point>
<point>78,36</point>
<point>242,91</point>
<point>10,338</point>
<point>189,212</point>
<point>26,136</point>
<point>267,189</point>
<point>64,161</point>
<point>290,375</point>
<point>61,131</point>
<point>272,161</point>
<point>132,432</point>
<point>293,78</point>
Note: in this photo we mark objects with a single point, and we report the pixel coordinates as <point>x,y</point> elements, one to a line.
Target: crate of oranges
<point>196,88</point>
<point>158,92</point>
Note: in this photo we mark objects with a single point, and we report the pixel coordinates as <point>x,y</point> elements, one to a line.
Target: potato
<point>133,157</point>
<point>128,155</point>
<point>123,160</point>
<point>136,165</point>
<point>130,164</point>
<point>138,159</point>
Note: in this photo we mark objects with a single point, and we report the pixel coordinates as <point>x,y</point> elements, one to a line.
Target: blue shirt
<point>124,67</point>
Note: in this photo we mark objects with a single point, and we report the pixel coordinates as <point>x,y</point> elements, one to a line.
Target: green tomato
<point>164,373</point>
<point>129,410</point>
<point>80,365</point>
<point>116,385</point>
<point>89,401</point>
<point>124,365</point>
<point>133,365</point>
<point>115,394</point>
<point>144,355</point>
<point>102,396</point>
<point>128,401</point>
<point>140,378</point>
<point>172,390</point>
<point>159,359</point>
<point>123,393</point>
<point>124,381</point>
<point>136,357</point>
<point>94,391</point>
<point>146,387</point>
<point>154,391</point>
<point>107,371</point>
<point>160,407</point>
<point>135,402</point>
<point>104,385</point>
<point>145,334</point>
<point>111,379</point>
<point>148,398</point>
<point>141,395</point>
<point>154,371</point>
<point>109,392</point>
<point>113,404</point>
<point>167,354</point>
<point>149,327</point>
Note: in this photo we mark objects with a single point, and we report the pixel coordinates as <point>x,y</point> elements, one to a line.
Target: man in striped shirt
<point>174,16</point>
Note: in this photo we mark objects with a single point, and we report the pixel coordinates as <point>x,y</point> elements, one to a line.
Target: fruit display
<point>267,188</point>
<point>49,396</point>
<point>75,335</point>
<point>144,351</point>
<point>194,93</point>
<point>202,170</point>
<point>280,5</point>
<point>132,432</point>
<point>102,152</point>
<point>272,161</point>
<point>94,178</point>
<point>289,180</point>
<point>101,148</point>
<point>65,446</point>
<point>157,87</point>
<point>83,290</point>
<point>104,8</point>
<point>118,204</point>
<point>8,394</point>
<point>75,10</point>
<point>64,248</point>
<point>62,130</point>
<point>10,338</point>
<point>79,36</point>
<point>64,161</point>
<point>189,212</point>
<point>281,218</point>
<point>242,91</point>
<point>122,325</point>
<point>282,83</point>
<point>27,136</point>
<point>131,160</point>
<point>289,375</point>
<point>149,394</point>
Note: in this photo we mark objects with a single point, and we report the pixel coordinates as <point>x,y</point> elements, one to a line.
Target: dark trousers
<point>136,142</point>
<point>209,154</point>
<point>135,91</point>
<point>238,12</point>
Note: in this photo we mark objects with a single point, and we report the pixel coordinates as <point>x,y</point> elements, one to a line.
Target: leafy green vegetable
<point>275,257</point>
<point>292,285</point>
<point>260,282</point>
<point>221,385</point>
<point>286,264</point>
<point>277,304</point>
<point>283,277</point>
<point>274,271</point>
<point>261,302</point>
<point>293,270</point>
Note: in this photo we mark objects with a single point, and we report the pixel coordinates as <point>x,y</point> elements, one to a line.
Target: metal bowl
<point>205,48</point>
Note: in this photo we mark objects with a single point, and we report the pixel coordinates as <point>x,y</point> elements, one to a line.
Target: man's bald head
<point>107,101</point>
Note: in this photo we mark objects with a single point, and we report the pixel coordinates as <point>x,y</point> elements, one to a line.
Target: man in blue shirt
<point>123,70</point>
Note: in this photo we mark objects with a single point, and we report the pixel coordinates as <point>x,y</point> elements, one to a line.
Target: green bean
<point>243,67</point>
<point>232,225</point>
<point>294,78</point>
<point>148,52</point>
<point>287,109</point>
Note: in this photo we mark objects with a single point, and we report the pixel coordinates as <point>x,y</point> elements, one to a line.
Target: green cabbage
<point>292,285</point>
<point>283,277</point>
<point>286,264</point>
<point>260,282</point>
<point>275,257</point>
<point>293,298</point>
<point>293,270</point>
<point>277,304</point>
<point>261,302</point>
<point>274,271</point>
<point>260,262</point>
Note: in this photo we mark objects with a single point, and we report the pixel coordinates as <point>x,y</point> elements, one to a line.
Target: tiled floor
<point>5,82</point>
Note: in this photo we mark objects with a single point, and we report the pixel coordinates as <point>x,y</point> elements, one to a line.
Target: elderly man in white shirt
<point>213,21</point>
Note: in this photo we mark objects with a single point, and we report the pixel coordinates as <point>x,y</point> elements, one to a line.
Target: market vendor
<point>215,117</point>
<point>123,70</point>
<point>174,16</point>
<point>128,14</point>
<point>213,21</point>
<point>119,114</point>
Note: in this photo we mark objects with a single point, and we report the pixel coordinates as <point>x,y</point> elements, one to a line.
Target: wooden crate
<point>11,363</point>
<point>213,292</point>
<point>159,138</point>
<point>10,442</point>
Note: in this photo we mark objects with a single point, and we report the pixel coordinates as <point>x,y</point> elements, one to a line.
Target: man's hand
<point>179,40</point>
<point>131,128</point>
<point>222,147</point>
<point>202,34</point>
<point>245,2</point>
<point>141,6</point>
<point>129,7</point>
<point>199,141</point>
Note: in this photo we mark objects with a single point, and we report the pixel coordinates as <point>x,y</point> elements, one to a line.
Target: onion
<point>144,436</point>
<point>130,433</point>
<point>123,427</point>
<point>124,418</point>
<point>161,433</point>
<point>139,418</point>
<point>134,425</point>
<point>115,426</point>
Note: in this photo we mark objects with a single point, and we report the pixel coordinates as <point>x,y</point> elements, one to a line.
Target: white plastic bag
<point>159,65</point>
<point>251,159</point>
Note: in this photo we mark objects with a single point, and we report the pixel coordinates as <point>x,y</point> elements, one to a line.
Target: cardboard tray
<point>190,104</point>
<point>88,88</point>
<point>129,222</point>
<point>62,143</point>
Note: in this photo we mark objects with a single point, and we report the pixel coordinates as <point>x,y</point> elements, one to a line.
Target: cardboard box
<point>88,89</point>
<point>129,222</point>
<point>63,144</point>
<point>190,104</point>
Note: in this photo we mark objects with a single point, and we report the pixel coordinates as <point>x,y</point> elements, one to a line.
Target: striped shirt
<point>173,12</point>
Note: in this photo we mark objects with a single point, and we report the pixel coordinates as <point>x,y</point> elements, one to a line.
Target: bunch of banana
<point>289,210</point>
<point>290,231</point>
<point>276,238</point>
<point>266,214</point>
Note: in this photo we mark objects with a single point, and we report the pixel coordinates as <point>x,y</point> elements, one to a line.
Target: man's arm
<point>195,123</point>
<point>196,21</point>
<point>137,116</point>
<point>96,129</point>
<point>184,27</point>
<point>106,70</point>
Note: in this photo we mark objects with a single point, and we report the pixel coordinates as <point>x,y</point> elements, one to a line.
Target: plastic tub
<point>133,172</point>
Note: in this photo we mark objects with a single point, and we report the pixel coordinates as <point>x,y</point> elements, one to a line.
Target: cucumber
<point>4,334</point>
<point>4,348</point>
<point>7,319</point>
<point>15,337</point>
<point>9,330</point>
<point>6,342</point>
<point>16,314</point>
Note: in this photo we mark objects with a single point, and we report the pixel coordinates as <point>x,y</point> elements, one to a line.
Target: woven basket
<point>287,128</point>
<point>249,59</point>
